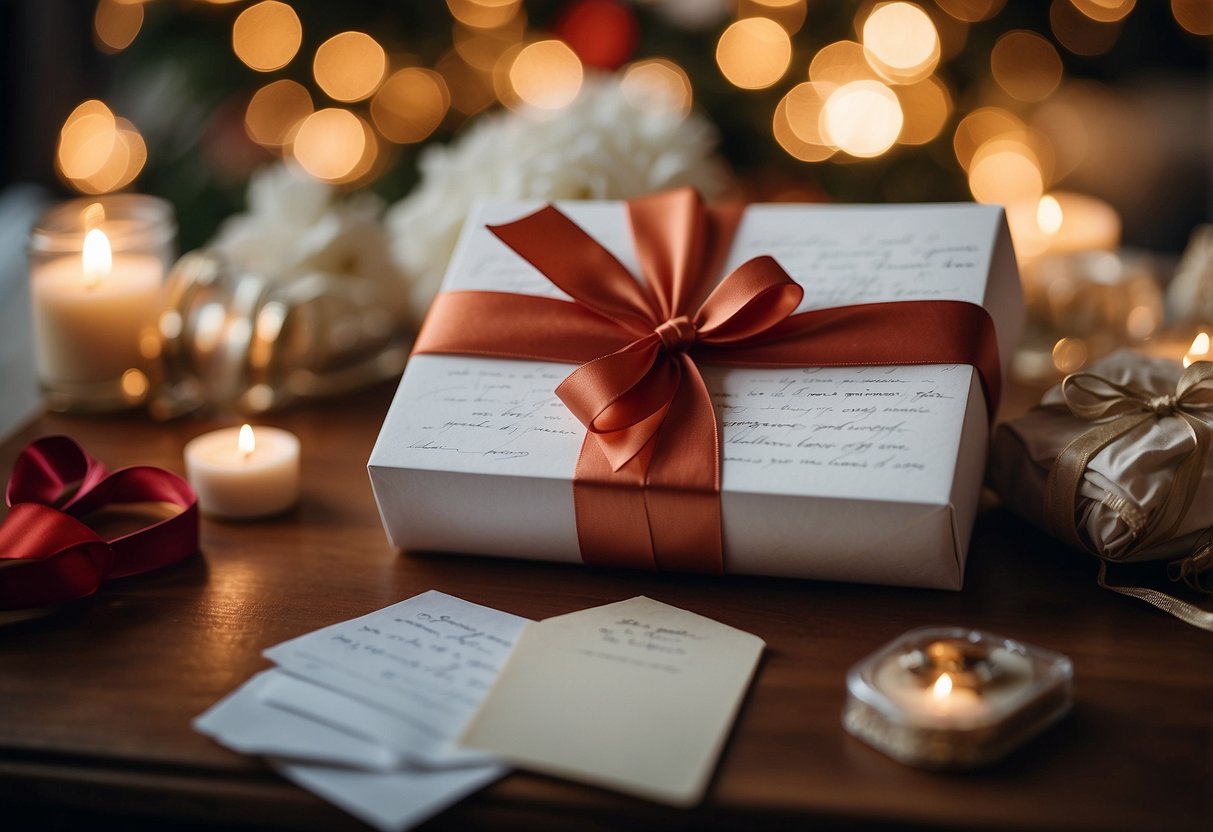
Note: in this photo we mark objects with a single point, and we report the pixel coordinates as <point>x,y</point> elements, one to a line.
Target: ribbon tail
<point>682,492</point>
<point>612,520</point>
<point>1183,610</point>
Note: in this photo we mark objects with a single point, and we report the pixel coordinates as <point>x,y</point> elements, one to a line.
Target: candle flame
<point>1199,349</point>
<point>98,259</point>
<point>943,686</point>
<point>247,442</point>
<point>1049,215</point>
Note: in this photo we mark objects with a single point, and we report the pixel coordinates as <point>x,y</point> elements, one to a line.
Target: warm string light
<point>98,152</point>
<point>861,98</point>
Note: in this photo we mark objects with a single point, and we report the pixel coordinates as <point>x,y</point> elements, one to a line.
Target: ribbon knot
<point>1163,405</point>
<point>48,552</point>
<point>677,334</point>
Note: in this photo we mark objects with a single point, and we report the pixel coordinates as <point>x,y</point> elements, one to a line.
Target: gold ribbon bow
<point>1118,409</point>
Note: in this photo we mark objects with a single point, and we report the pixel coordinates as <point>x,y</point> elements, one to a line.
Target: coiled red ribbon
<point>647,483</point>
<point>48,554</point>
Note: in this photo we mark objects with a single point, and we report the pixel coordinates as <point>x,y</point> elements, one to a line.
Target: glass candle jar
<point>97,268</point>
<point>944,697</point>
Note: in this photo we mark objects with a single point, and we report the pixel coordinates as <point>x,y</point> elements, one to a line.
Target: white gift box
<point>867,474</point>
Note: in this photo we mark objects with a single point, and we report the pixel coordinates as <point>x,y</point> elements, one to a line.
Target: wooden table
<point>96,699</point>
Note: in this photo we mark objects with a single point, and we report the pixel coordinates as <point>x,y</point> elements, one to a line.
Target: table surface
<point>96,699</point>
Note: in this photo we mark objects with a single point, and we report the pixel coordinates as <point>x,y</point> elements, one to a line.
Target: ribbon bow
<point>646,489</point>
<point>1123,408</point>
<point>48,554</point>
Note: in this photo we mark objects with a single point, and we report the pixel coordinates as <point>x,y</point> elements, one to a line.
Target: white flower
<point>599,147</point>
<point>296,226</point>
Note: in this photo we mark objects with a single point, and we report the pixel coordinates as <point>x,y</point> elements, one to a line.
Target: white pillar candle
<point>242,473</point>
<point>97,268</point>
<point>95,312</point>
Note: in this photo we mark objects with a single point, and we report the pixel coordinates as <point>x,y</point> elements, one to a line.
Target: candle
<point>947,698</point>
<point>1062,222</point>
<point>242,473</point>
<point>96,271</point>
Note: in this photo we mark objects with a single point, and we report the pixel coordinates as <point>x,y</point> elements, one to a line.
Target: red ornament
<point>603,33</point>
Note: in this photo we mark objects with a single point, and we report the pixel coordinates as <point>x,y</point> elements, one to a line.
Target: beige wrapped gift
<point>1115,461</point>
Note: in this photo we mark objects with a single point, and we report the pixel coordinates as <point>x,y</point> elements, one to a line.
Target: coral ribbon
<point>49,555</point>
<point>647,484</point>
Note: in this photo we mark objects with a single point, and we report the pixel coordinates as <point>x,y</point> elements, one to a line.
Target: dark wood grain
<point>96,698</point>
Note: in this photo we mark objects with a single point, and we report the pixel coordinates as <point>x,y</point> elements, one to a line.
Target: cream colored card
<point>636,696</point>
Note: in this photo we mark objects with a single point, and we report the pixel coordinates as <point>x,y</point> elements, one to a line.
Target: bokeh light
<point>334,145</point>
<point>862,118</point>
<point>484,14</point>
<point>789,14</point>
<point>1026,65</point>
<point>349,66</point>
<point>901,42</point>
<point>116,24</point>
<point>657,84</point>
<point>546,74</point>
<point>971,11</point>
<point>926,106</point>
<point>97,152</point>
<point>1070,354</point>
<point>797,122</point>
<point>482,48</point>
<point>1080,34</point>
<point>275,110</point>
<point>979,127</point>
<point>410,105</point>
<point>840,63</point>
<point>471,88</point>
<point>1195,16</point>
<point>754,53</point>
<point>1004,171</point>
<point>603,33</point>
<point>266,35</point>
<point>1105,11</point>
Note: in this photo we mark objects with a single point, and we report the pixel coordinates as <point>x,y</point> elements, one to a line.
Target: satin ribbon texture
<point>48,554</point>
<point>647,483</point>
<point>1116,410</point>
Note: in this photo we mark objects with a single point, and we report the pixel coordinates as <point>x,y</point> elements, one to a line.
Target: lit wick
<point>246,442</point>
<point>97,257</point>
<point>943,686</point>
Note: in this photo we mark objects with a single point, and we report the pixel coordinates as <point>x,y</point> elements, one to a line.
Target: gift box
<point>1115,459</point>
<point>824,413</point>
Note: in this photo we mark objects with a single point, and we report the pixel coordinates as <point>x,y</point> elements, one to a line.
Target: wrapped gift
<point>588,388</point>
<point>1115,462</point>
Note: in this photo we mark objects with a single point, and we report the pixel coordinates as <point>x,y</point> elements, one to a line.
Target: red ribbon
<point>48,554</point>
<point>647,484</point>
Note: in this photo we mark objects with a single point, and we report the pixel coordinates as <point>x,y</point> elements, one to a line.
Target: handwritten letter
<point>423,666</point>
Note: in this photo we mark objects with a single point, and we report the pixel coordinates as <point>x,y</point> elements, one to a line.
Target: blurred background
<point>936,100</point>
<point>324,154</point>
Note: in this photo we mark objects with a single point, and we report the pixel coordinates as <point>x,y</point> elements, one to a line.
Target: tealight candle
<point>96,271</point>
<point>951,698</point>
<point>242,473</point>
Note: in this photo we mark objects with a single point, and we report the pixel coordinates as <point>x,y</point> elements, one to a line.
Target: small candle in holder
<point>96,271</point>
<point>241,473</point>
<point>954,698</point>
